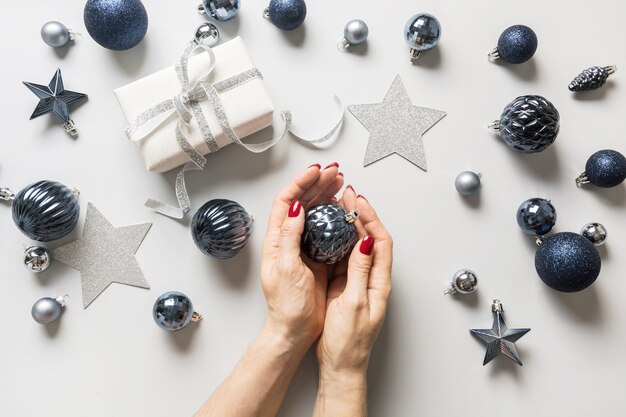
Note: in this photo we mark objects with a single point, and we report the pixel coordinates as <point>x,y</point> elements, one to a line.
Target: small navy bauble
<point>116,24</point>
<point>536,216</point>
<point>286,14</point>
<point>329,233</point>
<point>46,211</point>
<point>173,311</point>
<point>516,44</point>
<point>221,228</point>
<point>605,168</point>
<point>567,262</point>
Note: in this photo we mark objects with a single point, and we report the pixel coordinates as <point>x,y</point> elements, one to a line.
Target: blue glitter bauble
<point>422,32</point>
<point>116,24</point>
<point>221,10</point>
<point>536,216</point>
<point>46,211</point>
<point>287,14</point>
<point>517,44</point>
<point>606,168</point>
<point>172,311</point>
<point>221,228</point>
<point>567,262</point>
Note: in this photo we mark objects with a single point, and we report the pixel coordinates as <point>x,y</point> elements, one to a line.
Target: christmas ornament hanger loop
<point>6,194</point>
<point>266,13</point>
<point>62,299</point>
<point>352,216</point>
<point>196,317</point>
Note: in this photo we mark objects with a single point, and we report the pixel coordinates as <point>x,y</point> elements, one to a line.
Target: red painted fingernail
<point>318,166</point>
<point>350,187</point>
<point>340,174</point>
<point>367,245</point>
<point>334,164</point>
<point>363,197</point>
<point>294,208</point>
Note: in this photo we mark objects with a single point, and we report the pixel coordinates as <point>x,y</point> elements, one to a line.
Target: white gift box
<point>248,106</point>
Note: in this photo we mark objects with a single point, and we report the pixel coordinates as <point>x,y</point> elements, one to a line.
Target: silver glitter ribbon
<point>185,106</point>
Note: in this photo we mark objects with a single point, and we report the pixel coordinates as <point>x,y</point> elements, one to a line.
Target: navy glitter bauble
<point>329,236</point>
<point>221,10</point>
<point>529,124</point>
<point>221,228</point>
<point>116,24</point>
<point>517,44</point>
<point>536,216</point>
<point>606,168</point>
<point>172,311</point>
<point>46,211</point>
<point>567,262</point>
<point>287,14</point>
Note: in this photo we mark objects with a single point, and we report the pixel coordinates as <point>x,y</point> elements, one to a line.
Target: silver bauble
<point>464,281</point>
<point>467,183</point>
<point>55,34</point>
<point>47,310</point>
<point>354,33</point>
<point>207,34</point>
<point>595,233</point>
<point>36,259</point>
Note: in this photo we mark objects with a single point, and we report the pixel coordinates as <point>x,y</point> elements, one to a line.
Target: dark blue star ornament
<point>56,99</point>
<point>499,339</point>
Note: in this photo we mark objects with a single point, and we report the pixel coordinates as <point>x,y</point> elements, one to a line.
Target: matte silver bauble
<point>36,259</point>
<point>354,33</point>
<point>56,34</point>
<point>47,309</point>
<point>467,183</point>
<point>595,233</point>
<point>464,281</point>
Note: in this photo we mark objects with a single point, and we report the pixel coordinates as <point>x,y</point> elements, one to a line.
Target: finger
<point>349,204</point>
<point>291,233</point>
<point>329,193</point>
<point>293,191</point>
<point>359,267</point>
<point>326,178</point>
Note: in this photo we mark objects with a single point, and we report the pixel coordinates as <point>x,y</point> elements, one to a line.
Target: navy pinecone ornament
<point>329,233</point>
<point>591,78</point>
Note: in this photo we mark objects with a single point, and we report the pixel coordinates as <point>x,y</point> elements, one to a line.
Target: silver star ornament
<point>56,99</point>
<point>499,339</point>
<point>396,126</point>
<point>104,254</point>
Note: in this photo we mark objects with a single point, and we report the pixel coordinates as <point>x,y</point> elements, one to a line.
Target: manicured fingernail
<point>363,197</point>
<point>367,245</point>
<point>334,164</point>
<point>340,174</point>
<point>294,208</point>
<point>350,187</point>
<point>318,166</point>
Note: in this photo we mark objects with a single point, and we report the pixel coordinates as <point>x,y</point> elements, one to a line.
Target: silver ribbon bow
<point>185,106</point>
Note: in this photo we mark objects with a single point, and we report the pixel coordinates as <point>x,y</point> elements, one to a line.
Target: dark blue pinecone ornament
<point>329,233</point>
<point>591,78</point>
<point>221,228</point>
<point>528,124</point>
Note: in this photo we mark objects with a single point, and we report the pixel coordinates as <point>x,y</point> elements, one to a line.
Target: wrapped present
<point>205,102</point>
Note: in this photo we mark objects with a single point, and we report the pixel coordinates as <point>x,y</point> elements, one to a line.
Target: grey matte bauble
<point>36,259</point>
<point>47,310</point>
<point>55,34</point>
<point>467,183</point>
<point>464,281</point>
<point>595,233</point>
<point>354,33</point>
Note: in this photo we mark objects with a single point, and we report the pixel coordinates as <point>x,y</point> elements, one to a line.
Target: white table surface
<point>111,360</point>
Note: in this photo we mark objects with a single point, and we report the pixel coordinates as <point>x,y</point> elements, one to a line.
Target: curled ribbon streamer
<point>188,98</point>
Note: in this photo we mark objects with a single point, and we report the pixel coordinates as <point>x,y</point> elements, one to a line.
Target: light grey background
<point>112,360</point>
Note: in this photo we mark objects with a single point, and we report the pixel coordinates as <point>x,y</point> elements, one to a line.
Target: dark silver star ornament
<point>499,339</point>
<point>104,254</point>
<point>396,126</point>
<point>56,99</point>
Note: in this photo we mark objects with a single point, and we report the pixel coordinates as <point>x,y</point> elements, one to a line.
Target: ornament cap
<point>70,127</point>
<point>494,126</point>
<point>62,299</point>
<point>352,216</point>
<point>343,44</point>
<point>414,54</point>
<point>582,179</point>
<point>611,69</point>
<point>196,317</point>
<point>266,13</point>
<point>496,306</point>
<point>201,9</point>
<point>494,55</point>
<point>6,194</point>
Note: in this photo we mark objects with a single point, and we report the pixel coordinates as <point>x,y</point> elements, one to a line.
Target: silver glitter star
<point>396,126</point>
<point>56,99</point>
<point>104,254</point>
<point>500,339</point>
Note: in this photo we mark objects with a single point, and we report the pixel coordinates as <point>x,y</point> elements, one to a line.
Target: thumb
<point>291,231</point>
<point>359,267</point>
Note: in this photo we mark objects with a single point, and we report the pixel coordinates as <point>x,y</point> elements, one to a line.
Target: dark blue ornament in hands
<point>329,233</point>
<point>567,262</point>
<point>605,168</point>
<point>46,211</point>
<point>516,44</point>
<point>116,24</point>
<point>221,228</point>
<point>536,216</point>
<point>286,14</point>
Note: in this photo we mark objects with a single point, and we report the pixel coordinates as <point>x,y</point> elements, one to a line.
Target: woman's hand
<point>356,306</point>
<point>295,292</point>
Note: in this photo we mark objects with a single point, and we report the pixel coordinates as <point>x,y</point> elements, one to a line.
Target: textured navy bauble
<point>606,168</point>
<point>328,235</point>
<point>46,211</point>
<point>221,228</point>
<point>536,216</point>
<point>529,124</point>
<point>287,14</point>
<point>172,311</point>
<point>567,262</point>
<point>517,44</point>
<point>116,24</point>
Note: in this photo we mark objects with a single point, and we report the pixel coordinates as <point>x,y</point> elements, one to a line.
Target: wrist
<point>284,340</point>
<point>343,379</point>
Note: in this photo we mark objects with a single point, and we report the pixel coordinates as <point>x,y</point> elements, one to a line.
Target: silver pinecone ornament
<point>592,78</point>
<point>329,233</point>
